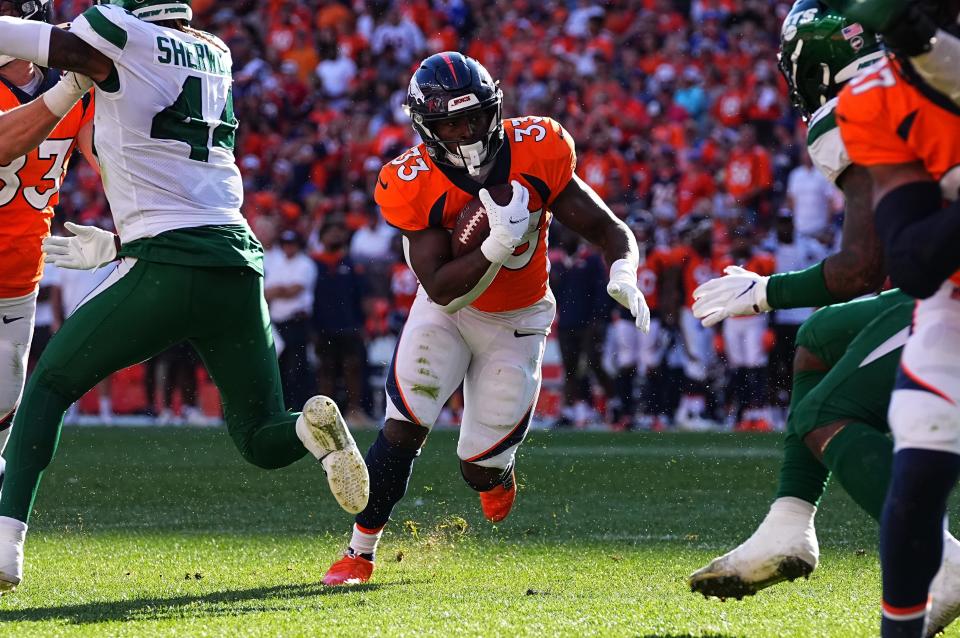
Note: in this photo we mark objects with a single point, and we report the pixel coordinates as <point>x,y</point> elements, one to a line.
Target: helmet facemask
<point>480,146</point>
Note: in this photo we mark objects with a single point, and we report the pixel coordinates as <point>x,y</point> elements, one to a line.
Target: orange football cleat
<point>349,570</point>
<point>496,503</point>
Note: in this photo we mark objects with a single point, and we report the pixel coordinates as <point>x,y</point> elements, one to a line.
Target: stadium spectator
<point>744,344</point>
<point>338,322</point>
<point>578,279</point>
<point>371,242</point>
<point>174,370</point>
<point>49,314</point>
<point>749,174</point>
<point>792,252</point>
<point>289,281</point>
<point>809,196</point>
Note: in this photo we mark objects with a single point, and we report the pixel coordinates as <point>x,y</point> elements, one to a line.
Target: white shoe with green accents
<point>12,535</point>
<point>324,433</point>
<point>784,547</point>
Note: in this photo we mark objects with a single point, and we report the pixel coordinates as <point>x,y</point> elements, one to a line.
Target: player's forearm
<point>921,248</point>
<point>799,289</point>
<point>857,268</point>
<point>455,278</point>
<point>23,129</point>
<point>618,243</point>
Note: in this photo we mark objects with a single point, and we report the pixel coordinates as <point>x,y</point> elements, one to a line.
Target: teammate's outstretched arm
<point>581,210</point>
<point>919,234</point>
<point>856,269</point>
<point>51,46</point>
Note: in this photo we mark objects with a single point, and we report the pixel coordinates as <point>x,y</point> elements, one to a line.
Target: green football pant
<point>141,309</point>
<point>843,336</point>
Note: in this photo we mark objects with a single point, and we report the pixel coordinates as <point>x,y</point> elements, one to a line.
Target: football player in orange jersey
<point>41,123</point>
<point>481,318</point>
<point>743,341</point>
<point>695,259</point>
<point>906,133</point>
<point>658,279</point>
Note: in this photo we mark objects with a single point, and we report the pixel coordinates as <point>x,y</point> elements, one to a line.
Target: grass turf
<point>167,532</point>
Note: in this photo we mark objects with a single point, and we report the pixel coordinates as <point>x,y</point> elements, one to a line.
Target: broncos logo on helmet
<point>448,86</point>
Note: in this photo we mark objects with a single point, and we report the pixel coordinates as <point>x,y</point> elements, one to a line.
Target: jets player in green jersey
<point>847,354</point>
<point>187,266</point>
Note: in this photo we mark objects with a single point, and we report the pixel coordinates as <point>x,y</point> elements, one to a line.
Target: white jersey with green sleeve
<point>164,126</point>
<point>825,144</point>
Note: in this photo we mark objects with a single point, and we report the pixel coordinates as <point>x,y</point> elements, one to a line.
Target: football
<point>472,225</point>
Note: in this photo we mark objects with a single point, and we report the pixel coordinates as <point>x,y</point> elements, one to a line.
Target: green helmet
<point>819,51</point>
<point>155,10</point>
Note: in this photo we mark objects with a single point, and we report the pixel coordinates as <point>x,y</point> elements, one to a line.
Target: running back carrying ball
<point>472,225</point>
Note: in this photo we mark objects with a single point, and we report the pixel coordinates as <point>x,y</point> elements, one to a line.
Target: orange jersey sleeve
<point>29,189</point>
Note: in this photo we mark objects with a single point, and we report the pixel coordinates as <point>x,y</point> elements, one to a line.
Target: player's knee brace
<point>390,467</point>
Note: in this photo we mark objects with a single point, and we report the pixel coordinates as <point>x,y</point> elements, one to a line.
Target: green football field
<point>167,532</point>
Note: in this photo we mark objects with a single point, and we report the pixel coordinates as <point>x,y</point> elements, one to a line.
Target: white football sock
<point>364,543</point>
<point>792,507</point>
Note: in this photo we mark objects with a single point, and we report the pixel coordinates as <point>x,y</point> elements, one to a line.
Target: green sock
<point>33,442</point>
<point>861,458</point>
<point>801,474</point>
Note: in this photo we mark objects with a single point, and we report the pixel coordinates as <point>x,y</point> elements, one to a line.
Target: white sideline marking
<point>654,451</point>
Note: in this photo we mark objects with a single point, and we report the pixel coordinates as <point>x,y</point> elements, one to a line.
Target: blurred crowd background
<point>682,126</point>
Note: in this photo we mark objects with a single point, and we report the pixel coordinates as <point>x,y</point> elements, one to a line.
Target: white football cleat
<point>945,588</point>
<point>324,433</point>
<point>784,547</point>
<point>12,534</point>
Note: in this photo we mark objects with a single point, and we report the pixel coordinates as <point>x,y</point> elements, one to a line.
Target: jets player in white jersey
<point>188,268</point>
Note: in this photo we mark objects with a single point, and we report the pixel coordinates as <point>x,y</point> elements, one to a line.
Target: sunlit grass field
<point>168,532</point>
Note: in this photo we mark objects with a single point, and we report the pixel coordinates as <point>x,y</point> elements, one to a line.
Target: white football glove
<point>738,293</point>
<point>623,288</point>
<point>89,248</point>
<point>508,224</point>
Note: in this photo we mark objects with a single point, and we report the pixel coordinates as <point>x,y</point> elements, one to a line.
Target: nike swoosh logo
<point>516,221</point>
<point>383,184</point>
<point>7,319</point>
<point>752,284</point>
<point>518,334</point>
